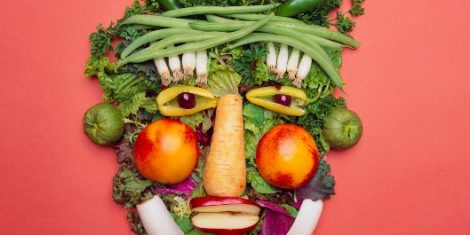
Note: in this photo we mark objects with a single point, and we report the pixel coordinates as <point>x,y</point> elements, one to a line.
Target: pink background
<point>409,82</point>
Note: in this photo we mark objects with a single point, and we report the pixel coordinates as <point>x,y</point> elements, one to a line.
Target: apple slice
<point>224,204</point>
<point>225,222</point>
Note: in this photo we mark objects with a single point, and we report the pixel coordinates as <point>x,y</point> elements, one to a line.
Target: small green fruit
<point>103,124</point>
<point>342,129</point>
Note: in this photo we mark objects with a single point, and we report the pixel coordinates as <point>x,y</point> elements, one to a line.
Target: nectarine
<point>287,156</point>
<point>166,151</point>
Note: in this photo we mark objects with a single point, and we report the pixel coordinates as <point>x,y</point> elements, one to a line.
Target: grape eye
<point>186,100</point>
<point>283,99</point>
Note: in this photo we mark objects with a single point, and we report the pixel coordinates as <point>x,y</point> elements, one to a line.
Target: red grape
<point>186,100</point>
<point>283,99</point>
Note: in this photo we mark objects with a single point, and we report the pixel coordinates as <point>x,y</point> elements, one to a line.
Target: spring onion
<point>293,63</point>
<point>201,67</point>
<point>303,70</point>
<point>282,60</point>
<point>162,69</point>
<point>189,63</point>
<point>271,60</point>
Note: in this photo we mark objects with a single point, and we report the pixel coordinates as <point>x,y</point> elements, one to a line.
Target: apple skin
<point>221,230</point>
<point>227,231</point>
<point>217,201</point>
<point>166,151</point>
<point>287,156</point>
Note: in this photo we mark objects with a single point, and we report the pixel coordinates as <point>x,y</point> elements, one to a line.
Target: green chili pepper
<point>295,7</point>
<point>169,4</point>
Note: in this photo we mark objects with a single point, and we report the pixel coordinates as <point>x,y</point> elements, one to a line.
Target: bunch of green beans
<point>149,53</point>
<point>194,35</point>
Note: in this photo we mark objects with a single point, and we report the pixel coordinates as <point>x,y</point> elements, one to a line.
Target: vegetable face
<point>343,129</point>
<point>103,124</point>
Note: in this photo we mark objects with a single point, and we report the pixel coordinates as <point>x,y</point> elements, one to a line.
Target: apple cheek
<point>284,180</point>
<point>143,147</point>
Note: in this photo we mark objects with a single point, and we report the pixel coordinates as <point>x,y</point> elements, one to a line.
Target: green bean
<point>324,42</point>
<point>265,29</point>
<point>256,17</point>
<point>314,30</point>
<point>201,10</point>
<point>153,36</point>
<point>321,41</point>
<point>204,45</point>
<point>184,38</point>
<point>158,21</point>
<point>315,55</point>
<point>321,32</point>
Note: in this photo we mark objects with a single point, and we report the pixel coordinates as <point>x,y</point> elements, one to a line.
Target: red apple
<point>225,222</point>
<point>166,151</point>
<point>224,204</point>
<point>287,156</point>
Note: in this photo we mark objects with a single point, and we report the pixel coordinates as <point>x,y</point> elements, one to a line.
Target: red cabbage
<point>185,187</point>
<point>276,223</point>
<point>273,207</point>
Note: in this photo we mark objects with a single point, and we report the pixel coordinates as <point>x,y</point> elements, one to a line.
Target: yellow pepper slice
<point>204,100</point>
<point>264,97</point>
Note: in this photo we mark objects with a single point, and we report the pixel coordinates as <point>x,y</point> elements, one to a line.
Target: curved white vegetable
<point>307,219</point>
<point>175,67</point>
<point>293,63</point>
<point>303,70</point>
<point>189,63</point>
<point>162,69</point>
<point>282,60</point>
<point>156,218</point>
<point>271,60</point>
<point>201,67</point>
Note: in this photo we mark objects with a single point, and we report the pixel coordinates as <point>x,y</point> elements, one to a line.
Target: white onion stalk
<point>307,219</point>
<point>162,69</point>
<point>271,60</point>
<point>201,67</point>
<point>282,60</point>
<point>189,63</point>
<point>303,70</point>
<point>175,67</point>
<point>293,63</point>
<point>157,219</point>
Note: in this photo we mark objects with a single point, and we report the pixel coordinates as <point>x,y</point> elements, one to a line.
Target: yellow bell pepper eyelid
<point>278,108</point>
<point>172,92</point>
<point>172,111</point>
<point>273,90</point>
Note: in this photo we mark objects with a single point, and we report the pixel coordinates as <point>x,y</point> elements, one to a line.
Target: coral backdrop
<point>409,82</point>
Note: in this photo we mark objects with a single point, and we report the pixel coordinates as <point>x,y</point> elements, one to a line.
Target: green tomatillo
<point>103,124</point>
<point>342,129</point>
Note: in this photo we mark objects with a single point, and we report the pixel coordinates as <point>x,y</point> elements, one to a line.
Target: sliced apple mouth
<point>224,221</point>
<point>236,208</point>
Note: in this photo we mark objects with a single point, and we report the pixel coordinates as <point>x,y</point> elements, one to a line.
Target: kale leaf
<point>316,113</point>
<point>129,188</point>
<point>322,186</point>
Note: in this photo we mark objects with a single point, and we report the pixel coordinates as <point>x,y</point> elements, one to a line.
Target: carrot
<point>225,169</point>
